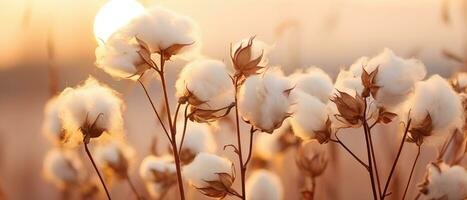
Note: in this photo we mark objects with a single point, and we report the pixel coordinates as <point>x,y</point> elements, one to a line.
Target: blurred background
<point>40,39</point>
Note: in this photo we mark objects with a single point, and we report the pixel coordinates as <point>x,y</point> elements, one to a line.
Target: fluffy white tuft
<point>83,104</point>
<point>313,81</point>
<point>119,57</point>
<point>396,76</point>
<point>263,100</point>
<point>264,185</point>
<point>204,168</point>
<point>63,167</point>
<point>154,164</point>
<point>446,181</point>
<point>198,137</point>
<point>111,153</point>
<point>436,97</point>
<point>309,115</point>
<point>209,81</point>
<point>161,28</point>
<point>52,125</point>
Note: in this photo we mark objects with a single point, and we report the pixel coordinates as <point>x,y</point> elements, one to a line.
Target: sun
<point>113,15</point>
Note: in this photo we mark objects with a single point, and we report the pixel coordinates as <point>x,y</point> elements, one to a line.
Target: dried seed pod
<point>419,131</point>
<point>369,83</point>
<point>313,162</point>
<point>212,175</point>
<point>243,61</point>
<point>350,108</point>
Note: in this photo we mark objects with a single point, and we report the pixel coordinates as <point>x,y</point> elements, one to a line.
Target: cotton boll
<point>437,98</point>
<point>309,116</point>
<point>206,84</point>
<point>264,100</point>
<point>152,165</point>
<point>396,76</point>
<point>119,57</point>
<point>264,185</point>
<point>114,158</point>
<point>258,48</point>
<point>63,168</point>
<point>313,81</point>
<point>198,138</point>
<point>205,167</point>
<point>162,29</point>
<point>159,174</point>
<point>445,181</point>
<point>91,108</point>
<point>52,126</point>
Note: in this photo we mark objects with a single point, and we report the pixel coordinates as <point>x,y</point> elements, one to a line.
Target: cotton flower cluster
<point>394,78</point>
<point>114,158</point>
<point>435,108</point>
<point>159,174</point>
<point>63,167</point>
<point>205,84</point>
<point>127,52</point>
<point>264,100</point>
<point>89,110</point>
<point>198,138</point>
<point>212,175</point>
<point>264,185</point>
<point>444,181</point>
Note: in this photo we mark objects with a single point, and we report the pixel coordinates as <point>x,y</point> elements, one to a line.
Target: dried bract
<point>350,108</point>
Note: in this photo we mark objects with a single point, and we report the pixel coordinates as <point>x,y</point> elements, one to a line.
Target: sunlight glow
<point>113,15</point>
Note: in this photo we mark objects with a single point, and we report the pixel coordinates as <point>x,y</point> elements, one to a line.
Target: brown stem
<point>240,157</point>
<point>411,173</point>
<point>155,110</point>
<point>374,157</point>
<point>95,168</point>
<point>368,149</point>
<point>401,146</point>
<point>176,114</point>
<point>252,131</point>
<point>185,120</point>
<point>350,152</point>
<point>173,130</point>
<point>133,188</point>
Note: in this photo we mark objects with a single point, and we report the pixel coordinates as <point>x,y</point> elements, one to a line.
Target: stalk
<point>368,149</point>
<point>95,168</point>
<point>411,173</point>
<point>240,157</point>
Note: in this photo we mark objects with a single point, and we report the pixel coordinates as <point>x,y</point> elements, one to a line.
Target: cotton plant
<point>264,185</point>
<point>146,44</point>
<point>212,175</point>
<point>89,112</point>
<point>443,181</point>
<point>159,174</point>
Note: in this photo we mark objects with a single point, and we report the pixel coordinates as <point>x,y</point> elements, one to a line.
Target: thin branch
<point>350,151</point>
<point>411,173</point>
<point>176,114</point>
<point>95,168</point>
<point>401,146</point>
<point>252,131</point>
<point>155,110</point>
<point>185,120</point>
<point>374,158</point>
<point>239,141</point>
<point>133,188</point>
<point>368,149</point>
